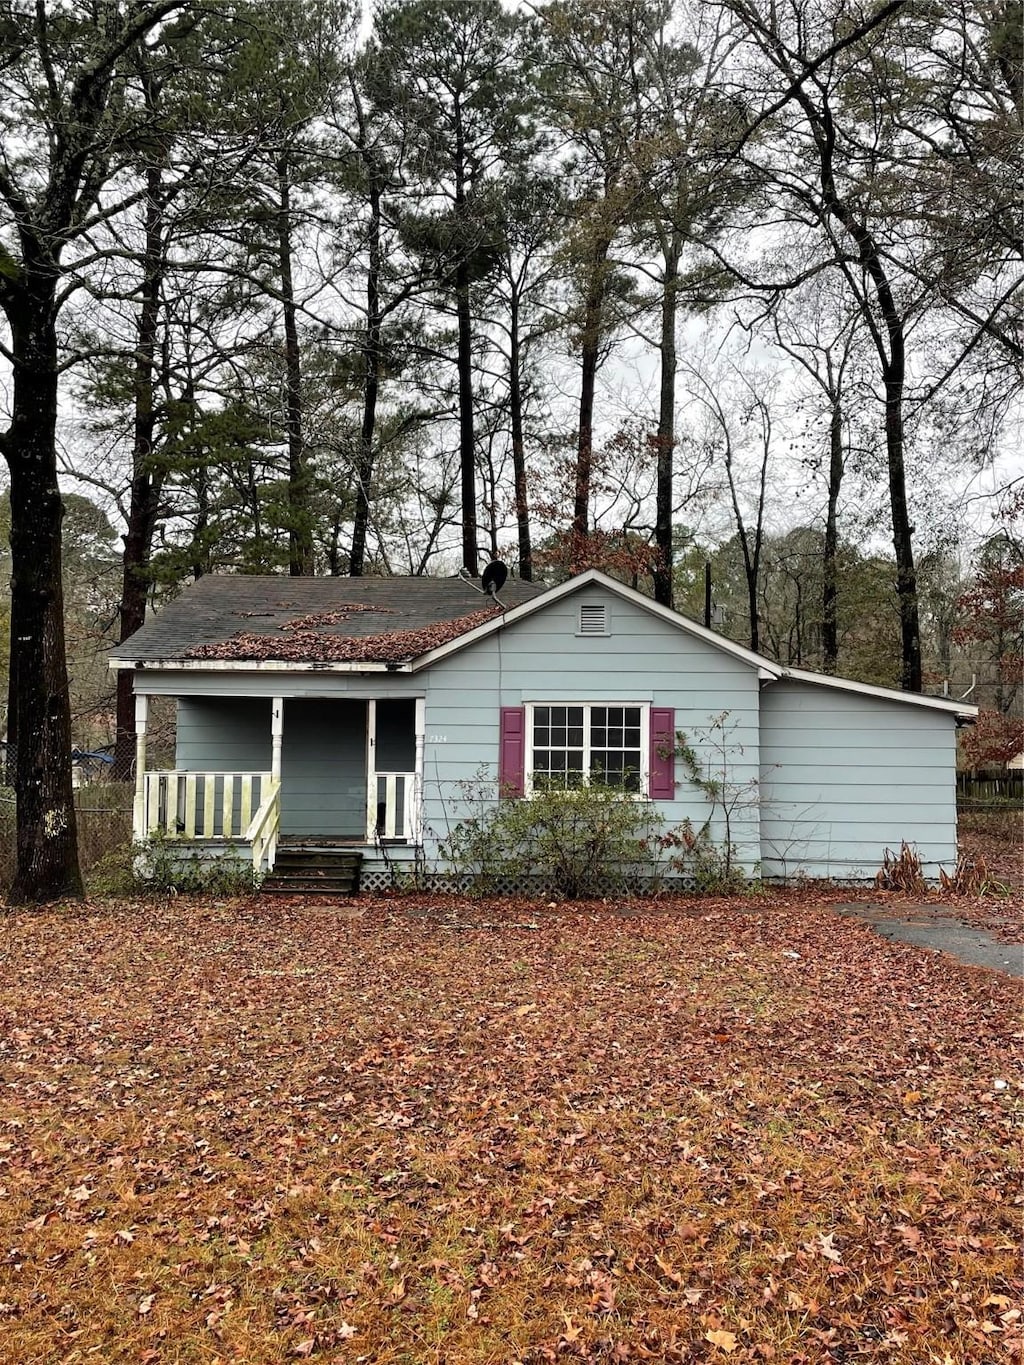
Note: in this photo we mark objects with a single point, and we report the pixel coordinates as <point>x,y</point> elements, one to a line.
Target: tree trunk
<point>47,852</point>
<point>515,401</point>
<point>798,626</point>
<point>300,521</point>
<point>751,557</point>
<point>663,568</point>
<point>829,590</point>
<point>147,481</point>
<point>750,572</point>
<point>371,389</point>
<point>893,368</point>
<point>590,350</point>
<point>200,549</point>
<point>467,442</point>
<point>911,673</point>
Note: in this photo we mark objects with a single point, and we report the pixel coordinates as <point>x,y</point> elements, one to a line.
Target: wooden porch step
<point>315,871</point>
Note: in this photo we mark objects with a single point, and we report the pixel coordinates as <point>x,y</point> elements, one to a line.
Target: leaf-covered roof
<point>234,617</point>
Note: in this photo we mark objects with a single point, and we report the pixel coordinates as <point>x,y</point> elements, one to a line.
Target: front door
<point>323,769</point>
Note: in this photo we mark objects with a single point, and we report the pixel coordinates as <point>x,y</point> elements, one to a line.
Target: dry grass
<point>379,1132</point>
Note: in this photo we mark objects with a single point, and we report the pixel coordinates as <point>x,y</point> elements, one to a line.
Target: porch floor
<point>320,841</point>
<point>309,842</point>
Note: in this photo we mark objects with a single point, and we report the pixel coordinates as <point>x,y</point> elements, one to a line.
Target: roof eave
<point>255,666</point>
<point>946,704</point>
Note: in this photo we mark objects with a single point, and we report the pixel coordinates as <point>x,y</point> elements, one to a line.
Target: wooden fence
<point>990,788</point>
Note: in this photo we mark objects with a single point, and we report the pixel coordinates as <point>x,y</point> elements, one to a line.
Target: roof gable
<point>765,667</point>
<point>768,670</point>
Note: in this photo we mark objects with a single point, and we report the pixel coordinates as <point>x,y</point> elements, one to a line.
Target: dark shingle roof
<point>314,620</point>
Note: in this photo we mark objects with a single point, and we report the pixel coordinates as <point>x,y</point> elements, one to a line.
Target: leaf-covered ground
<point>994,845</point>
<point>408,1131</point>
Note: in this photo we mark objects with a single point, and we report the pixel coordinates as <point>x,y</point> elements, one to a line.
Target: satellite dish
<point>493,577</point>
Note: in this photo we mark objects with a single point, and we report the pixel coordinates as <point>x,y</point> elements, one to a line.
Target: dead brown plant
<point>901,872</point>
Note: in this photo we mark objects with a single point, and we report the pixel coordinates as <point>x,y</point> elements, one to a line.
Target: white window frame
<point>644,708</point>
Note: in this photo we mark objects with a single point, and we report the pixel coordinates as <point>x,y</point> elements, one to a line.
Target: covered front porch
<point>253,772</point>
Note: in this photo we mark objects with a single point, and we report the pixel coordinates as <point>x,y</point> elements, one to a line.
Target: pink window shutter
<point>512,751</point>
<point>661,784</point>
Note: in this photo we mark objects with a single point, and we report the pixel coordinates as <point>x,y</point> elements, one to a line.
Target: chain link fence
<point>104,814</point>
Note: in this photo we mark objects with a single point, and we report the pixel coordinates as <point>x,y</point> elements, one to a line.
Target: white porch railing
<point>180,805</point>
<point>246,807</point>
<point>219,806</point>
<point>264,827</point>
<point>393,807</point>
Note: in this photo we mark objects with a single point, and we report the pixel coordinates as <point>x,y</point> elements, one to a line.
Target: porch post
<point>421,735</point>
<point>371,770</point>
<point>139,831</point>
<point>276,733</point>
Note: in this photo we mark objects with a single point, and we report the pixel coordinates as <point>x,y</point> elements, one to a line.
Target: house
<point>86,765</point>
<point>334,712</point>
<point>89,766</point>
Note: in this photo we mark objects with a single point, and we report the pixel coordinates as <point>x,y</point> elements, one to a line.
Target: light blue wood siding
<point>544,659</point>
<point>223,736</point>
<point>845,776</point>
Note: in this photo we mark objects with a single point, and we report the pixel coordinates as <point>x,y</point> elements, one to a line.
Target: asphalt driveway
<point>935,927</point>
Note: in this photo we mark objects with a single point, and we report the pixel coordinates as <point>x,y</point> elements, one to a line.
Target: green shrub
<point>578,843</point>
<point>161,866</point>
<point>113,873</point>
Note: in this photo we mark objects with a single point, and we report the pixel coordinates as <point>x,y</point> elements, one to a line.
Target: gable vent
<point>594,619</point>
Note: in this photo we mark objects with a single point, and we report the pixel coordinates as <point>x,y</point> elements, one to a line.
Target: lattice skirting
<point>378,879</point>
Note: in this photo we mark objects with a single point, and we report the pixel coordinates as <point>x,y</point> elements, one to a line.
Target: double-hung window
<point>578,743</point>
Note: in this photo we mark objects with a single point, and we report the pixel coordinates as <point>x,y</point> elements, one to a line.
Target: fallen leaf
<point>721,1339</point>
